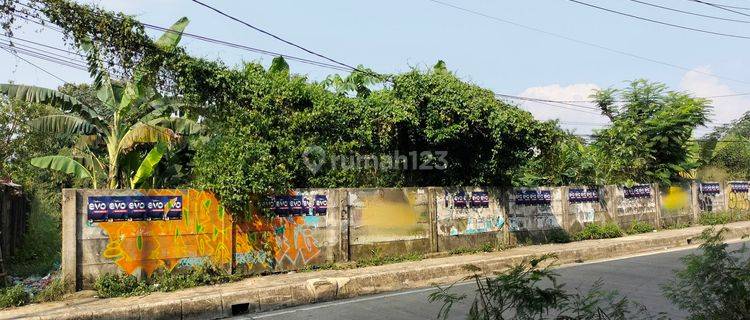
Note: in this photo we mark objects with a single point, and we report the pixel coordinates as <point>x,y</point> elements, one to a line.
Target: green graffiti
<point>198,228</point>
<point>139,242</point>
<point>207,204</point>
<point>221,212</point>
<point>280,230</point>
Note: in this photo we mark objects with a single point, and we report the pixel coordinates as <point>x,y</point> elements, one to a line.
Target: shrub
<point>558,235</point>
<point>206,274</point>
<point>488,247</point>
<point>54,291</point>
<point>637,227</point>
<point>14,296</point>
<point>598,231</point>
<point>714,218</point>
<point>714,284</point>
<point>117,285</point>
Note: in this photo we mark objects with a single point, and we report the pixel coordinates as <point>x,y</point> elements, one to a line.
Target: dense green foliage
<point>21,144</point>
<point>261,124</point>
<point>650,136</point>
<point>726,150</point>
<point>714,284</point>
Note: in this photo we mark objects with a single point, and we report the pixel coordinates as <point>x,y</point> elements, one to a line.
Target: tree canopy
<point>263,124</point>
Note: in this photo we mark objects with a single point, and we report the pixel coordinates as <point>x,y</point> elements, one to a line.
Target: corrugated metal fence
<point>14,213</point>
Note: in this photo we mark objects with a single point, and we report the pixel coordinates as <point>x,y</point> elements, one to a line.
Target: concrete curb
<point>280,291</point>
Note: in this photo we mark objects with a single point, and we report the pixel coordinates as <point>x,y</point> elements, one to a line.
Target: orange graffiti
<point>294,240</point>
<point>203,234</point>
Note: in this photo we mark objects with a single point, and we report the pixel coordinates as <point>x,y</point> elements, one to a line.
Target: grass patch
<point>485,247</point>
<point>722,217</point>
<point>14,296</point>
<point>637,227</point>
<point>378,259</point>
<point>117,285</point>
<point>54,291</point>
<point>599,231</point>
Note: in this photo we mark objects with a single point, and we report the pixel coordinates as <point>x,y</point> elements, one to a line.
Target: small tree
<point>651,132</point>
<point>134,114</point>
<point>714,284</point>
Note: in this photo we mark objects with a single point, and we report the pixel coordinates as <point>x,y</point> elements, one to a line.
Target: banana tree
<point>134,115</point>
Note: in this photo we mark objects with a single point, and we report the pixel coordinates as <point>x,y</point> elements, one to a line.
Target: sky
<point>549,49</point>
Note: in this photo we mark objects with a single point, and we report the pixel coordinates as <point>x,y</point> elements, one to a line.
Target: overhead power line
<point>661,22</point>
<point>545,100</point>
<point>583,42</point>
<point>251,49</point>
<point>34,65</point>
<point>282,39</point>
<point>689,13</point>
<point>50,25</point>
<point>724,7</point>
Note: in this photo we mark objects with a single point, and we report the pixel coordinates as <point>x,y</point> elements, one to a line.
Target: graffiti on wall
<point>388,215</point>
<point>636,200</point>
<point>535,209</point>
<point>739,196</point>
<point>289,241</point>
<point>584,203</point>
<point>710,196</point>
<point>292,237</point>
<point>204,234</point>
<point>465,211</point>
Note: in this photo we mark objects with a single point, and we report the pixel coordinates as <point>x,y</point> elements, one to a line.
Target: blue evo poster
<point>124,208</point>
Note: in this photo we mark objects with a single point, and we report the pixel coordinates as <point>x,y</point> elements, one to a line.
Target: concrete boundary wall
<point>312,227</point>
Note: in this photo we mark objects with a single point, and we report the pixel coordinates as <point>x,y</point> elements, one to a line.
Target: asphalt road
<point>639,278</point>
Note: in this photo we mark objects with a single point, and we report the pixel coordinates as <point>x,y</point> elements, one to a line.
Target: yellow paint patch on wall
<point>388,214</point>
<point>676,199</point>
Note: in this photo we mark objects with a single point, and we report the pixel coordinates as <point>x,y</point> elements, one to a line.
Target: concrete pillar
<point>345,216</point>
<point>69,240</point>
<point>432,196</point>
<point>565,204</point>
<point>657,198</point>
<point>694,206</point>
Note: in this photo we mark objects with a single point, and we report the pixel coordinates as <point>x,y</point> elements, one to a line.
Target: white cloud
<point>700,83</point>
<point>581,120</point>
